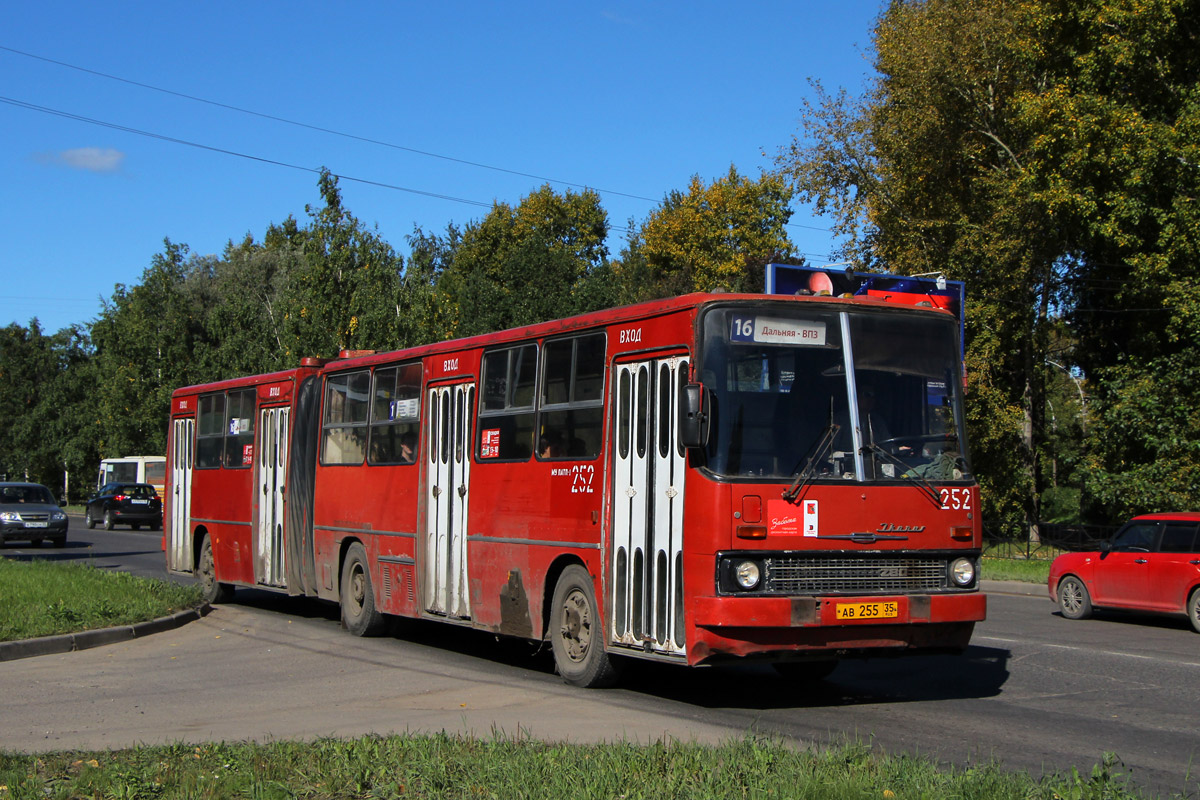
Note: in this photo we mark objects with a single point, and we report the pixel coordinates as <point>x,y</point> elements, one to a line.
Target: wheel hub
<point>576,626</point>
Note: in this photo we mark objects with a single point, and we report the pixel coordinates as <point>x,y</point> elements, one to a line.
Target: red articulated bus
<point>708,477</point>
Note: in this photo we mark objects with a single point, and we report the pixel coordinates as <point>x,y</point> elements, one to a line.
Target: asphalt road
<point>1035,692</point>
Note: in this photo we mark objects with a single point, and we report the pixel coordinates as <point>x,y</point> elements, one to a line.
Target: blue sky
<point>467,103</point>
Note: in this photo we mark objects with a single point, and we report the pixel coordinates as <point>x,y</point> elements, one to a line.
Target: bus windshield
<point>842,395</point>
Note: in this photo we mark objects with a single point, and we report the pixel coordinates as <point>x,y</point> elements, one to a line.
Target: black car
<point>28,512</point>
<point>132,504</point>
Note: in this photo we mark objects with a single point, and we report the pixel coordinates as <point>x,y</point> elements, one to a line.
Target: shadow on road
<point>1146,619</point>
<point>979,672</point>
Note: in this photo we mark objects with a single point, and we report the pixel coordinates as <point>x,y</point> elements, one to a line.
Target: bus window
<point>210,432</point>
<point>572,406</point>
<point>395,415</point>
<point>344,425</point>
<point>156,473</point>
<point>239,438</point>
<point>506,415</point>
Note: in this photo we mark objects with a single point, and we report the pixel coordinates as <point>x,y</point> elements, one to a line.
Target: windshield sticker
<point>765,330</point>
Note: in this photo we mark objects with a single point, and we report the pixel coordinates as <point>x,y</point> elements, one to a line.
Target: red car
<point>1150,564</point>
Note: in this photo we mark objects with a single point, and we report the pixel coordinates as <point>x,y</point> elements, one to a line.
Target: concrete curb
<point>1015,587</point>
<point>84,640</point>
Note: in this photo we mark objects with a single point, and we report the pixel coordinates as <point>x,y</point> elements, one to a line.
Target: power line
<point>319,128</point>
<point>224,151</point>
<point>356,137</point>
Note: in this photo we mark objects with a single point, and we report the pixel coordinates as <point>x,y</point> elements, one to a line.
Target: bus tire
<point>359,615</point>
<point>212,590</point>
<point>576,632</point>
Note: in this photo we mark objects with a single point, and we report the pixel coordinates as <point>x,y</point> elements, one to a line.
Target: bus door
<point>449,420</point>
<point>647,503</point>
<point>271,468</point>
<point>179,544</point>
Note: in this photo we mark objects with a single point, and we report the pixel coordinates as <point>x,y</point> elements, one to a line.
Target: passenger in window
<point>408,448</point>
<point>550,445</point>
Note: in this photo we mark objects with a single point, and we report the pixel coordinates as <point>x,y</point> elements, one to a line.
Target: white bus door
<point>271,465</point>
<point>647,503</point>
<point>451,411</point>
<point>179,538</point>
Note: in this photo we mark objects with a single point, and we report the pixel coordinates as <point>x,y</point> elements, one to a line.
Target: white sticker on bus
<point>764,330</point>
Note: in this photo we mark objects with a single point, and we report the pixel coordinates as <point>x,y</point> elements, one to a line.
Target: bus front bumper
<point>746,626</point>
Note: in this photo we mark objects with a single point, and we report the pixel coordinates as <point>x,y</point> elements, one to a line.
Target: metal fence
<point>1014,540</point>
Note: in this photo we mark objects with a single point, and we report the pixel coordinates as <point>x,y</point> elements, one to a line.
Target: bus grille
<point>809,575</point>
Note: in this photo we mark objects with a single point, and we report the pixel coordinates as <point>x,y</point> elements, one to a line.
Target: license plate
<point>141,502</point>
<point>37,524</point>
<point>883,610</point>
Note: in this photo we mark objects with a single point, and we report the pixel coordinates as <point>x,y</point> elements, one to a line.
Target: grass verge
<point>1031,570</point>
<point>447,766</point>
<point>44,598</point>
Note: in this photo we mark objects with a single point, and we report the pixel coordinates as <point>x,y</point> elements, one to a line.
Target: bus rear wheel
<point>359,614</point>
<point>576,635</point>
<point>213,591</point>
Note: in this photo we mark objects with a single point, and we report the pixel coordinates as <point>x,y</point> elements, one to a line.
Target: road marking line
<point>1084,649</point>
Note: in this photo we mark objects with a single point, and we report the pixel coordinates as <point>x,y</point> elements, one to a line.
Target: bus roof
<point>611,316</point>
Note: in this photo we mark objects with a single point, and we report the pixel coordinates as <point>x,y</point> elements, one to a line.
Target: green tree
<point>1045,152</point>
<point>542,260</point>
<point>147,338</point>
<point>344,290</point>
<point>430,257</point>
<point>45,400</point>
<point>1118,154</point>
<point>925,173</point>
<point>719,235</point>
<point>244,324</point>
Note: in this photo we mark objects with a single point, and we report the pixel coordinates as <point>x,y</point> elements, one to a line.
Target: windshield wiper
<point>907,474</point>
<point>817,453</point>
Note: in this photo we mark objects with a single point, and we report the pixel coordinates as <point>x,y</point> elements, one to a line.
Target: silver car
<point>28,512</point>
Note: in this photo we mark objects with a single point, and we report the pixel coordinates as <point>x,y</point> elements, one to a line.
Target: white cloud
<point>92,159</point>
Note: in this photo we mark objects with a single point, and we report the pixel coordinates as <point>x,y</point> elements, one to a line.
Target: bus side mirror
<point>694,416</point>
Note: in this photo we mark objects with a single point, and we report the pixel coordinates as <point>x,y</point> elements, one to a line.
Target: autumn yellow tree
<point>718,235</point>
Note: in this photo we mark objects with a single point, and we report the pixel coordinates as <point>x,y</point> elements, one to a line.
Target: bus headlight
<point>962,571</point>
<point>747,574</point>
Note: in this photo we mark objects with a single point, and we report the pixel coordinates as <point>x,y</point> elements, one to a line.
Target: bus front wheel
<point>359,614</point>
<point>576,635</point>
